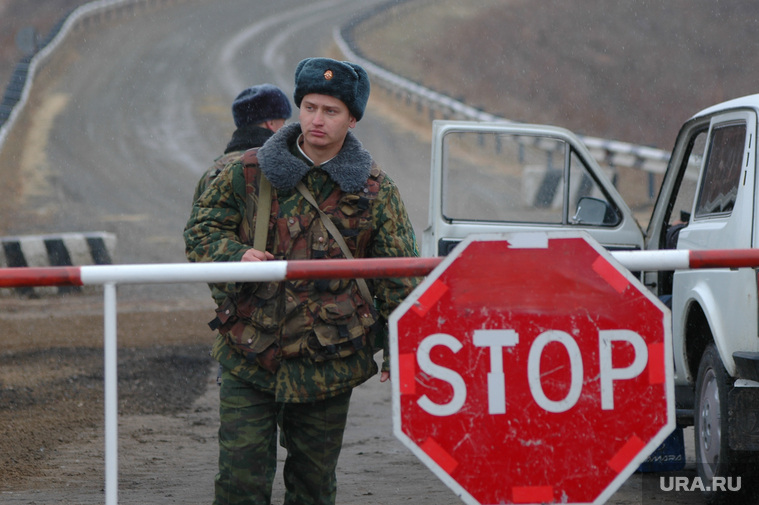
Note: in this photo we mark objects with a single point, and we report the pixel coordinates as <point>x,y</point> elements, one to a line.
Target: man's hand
<point>384,376</point>
<point>256,255</point>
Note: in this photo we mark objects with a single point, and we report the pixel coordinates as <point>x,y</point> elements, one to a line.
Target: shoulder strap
<point>332,229</point>
<point>264,203</point>
<point>261,229</point>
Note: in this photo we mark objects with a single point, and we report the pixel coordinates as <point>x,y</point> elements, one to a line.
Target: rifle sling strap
<point>264,204</point>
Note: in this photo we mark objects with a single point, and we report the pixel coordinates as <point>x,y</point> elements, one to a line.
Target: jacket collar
<point>246,137</point>
<point>350,169</point>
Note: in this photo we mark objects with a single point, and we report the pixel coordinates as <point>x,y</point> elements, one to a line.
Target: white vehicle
<point>505,177</point>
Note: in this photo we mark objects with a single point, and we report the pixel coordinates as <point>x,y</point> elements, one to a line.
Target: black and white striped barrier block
<point>55,250</point>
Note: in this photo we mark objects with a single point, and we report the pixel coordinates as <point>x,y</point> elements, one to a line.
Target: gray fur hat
<point>343,80</point>
<point>260,103</point>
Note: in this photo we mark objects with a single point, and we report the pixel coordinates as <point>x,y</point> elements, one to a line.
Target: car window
<point>490,176</point>
<point>685,191</point>
<point>722,171</point>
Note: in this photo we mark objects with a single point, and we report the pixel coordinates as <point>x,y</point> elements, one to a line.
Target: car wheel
<point>716,462</point>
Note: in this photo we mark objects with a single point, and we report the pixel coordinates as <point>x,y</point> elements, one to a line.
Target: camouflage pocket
<point>225,315</point>
<point>248,341</point>
<point>339,330</point>
<point>250,323</point>
<point>260,308</point>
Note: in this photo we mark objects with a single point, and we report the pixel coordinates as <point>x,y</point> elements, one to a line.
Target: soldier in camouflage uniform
<point>258,112</point>
<point>292,351</point>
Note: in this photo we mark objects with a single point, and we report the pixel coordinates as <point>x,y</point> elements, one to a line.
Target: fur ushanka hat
<point>343,80</point>
<point>260,103</point>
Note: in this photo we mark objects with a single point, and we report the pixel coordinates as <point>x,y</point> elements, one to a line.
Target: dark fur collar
<point>248,136</point>
<point>349,169</point>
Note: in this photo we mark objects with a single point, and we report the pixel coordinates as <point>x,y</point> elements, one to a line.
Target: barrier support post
<point>111,402</point>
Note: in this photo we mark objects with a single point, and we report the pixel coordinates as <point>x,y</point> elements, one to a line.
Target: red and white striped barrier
<point>681,259</point>
<point>272,271</point>
<point>263,271</point>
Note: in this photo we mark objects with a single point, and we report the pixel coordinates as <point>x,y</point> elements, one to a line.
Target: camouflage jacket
<point>244,138</point>
<point>210,174</point>
<point>322,330</point>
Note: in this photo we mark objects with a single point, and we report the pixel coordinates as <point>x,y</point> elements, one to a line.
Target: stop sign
<point>531,368</point>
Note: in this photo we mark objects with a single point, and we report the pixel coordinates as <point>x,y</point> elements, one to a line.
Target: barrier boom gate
<point>271,271</point>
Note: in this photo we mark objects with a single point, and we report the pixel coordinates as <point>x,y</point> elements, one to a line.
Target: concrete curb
<point>55,250</point>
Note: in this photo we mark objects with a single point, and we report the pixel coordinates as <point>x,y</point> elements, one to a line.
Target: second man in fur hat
<point>258,112</point>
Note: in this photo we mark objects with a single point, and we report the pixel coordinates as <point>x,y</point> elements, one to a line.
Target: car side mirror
<point>594,211</point>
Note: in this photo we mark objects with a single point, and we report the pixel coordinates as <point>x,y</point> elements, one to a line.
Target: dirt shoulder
<point>51,372</point>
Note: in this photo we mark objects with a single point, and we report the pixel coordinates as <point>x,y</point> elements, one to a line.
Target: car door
<point>721,217</point>
<point>503,177</point>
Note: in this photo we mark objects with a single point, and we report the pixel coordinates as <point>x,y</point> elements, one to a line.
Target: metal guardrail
<point>610,152</point>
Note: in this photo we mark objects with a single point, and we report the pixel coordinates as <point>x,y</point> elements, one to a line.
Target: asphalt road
<point>138,110</point>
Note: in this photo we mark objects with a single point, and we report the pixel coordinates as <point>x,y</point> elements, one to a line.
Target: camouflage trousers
<point>312,434</point>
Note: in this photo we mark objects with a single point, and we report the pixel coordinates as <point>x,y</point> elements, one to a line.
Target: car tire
<point>714,457</point>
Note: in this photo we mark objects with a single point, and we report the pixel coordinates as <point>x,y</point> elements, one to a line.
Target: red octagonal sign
<point>532,368</point>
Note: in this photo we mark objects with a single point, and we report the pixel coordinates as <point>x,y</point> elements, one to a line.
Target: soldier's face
<point>325,121</point>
